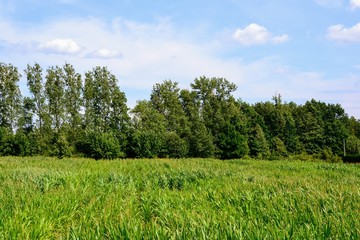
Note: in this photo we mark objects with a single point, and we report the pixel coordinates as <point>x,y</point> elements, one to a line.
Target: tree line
<point>67,114</point>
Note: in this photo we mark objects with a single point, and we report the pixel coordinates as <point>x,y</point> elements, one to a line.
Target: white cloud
<point>60,46</point>
<point>280,39</point>
<point>255,34</point>
<point>342,34</point>
<point>105,54</point>
<point>354,4</point>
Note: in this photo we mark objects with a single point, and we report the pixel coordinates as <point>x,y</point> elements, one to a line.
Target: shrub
<point>174,146</point>
<point>328,156</point>
<point>100,145</point>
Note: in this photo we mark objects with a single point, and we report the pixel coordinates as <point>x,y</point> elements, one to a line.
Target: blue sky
<point>299,49</point>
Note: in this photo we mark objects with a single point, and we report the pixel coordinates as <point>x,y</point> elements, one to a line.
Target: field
<point>47,198</point>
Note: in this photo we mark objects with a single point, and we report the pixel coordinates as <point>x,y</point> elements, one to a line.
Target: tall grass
<point>46,198</point>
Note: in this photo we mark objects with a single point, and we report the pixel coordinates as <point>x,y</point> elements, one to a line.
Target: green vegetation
<point>47,198</point>
<point>68,115</point>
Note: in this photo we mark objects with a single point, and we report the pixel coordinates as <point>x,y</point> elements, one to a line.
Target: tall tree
<point>165,99</point>
<point>35,83</point>
<point>97,97</point>
<point>10,96</point>
<point>73,96</point>
<point>105,110</point>
<point>26,121</point>
<point>149,128</point>
<point>119,120</point>
<point>199,138</point>
<point>221,114</point>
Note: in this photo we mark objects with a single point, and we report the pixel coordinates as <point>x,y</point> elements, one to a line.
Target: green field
<point>47,198</point>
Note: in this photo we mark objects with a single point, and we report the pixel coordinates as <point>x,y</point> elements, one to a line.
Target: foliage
<point>10,96</point>
<point>63,108</point>
<point>174,146</point>
<point>99,145</point>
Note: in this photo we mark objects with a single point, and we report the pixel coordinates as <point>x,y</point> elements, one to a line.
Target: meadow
<point>49,198</point>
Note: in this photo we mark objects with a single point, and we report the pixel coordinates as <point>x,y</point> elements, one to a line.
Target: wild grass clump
<point>177,199</point>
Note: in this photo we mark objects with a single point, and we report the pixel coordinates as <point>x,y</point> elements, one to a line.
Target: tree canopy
<point>69,114</point>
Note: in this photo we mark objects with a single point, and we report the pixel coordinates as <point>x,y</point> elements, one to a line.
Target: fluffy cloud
<point>105,54</point>
<point>255,34</point>
<point>60,46</point>
<point>342,34</point>
<point>354,4</point>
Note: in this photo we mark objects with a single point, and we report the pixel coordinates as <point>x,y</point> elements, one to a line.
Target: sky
<point>298,49</point>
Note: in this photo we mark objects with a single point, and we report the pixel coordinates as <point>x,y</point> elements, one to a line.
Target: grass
<point>47,198</point>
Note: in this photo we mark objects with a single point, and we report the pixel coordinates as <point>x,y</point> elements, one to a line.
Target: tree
<point>165,98</point>
<point>25,122</point>
<point>199,138</point>
<point>147,134</point>
<point>310,130</point>
<point>321,126</point>
<point>97,98</point>
<point>278,148</point>
<point>258,145</point>
<point>42,133</point>
<point>353,145</point>
<point>55,94</point>
<point>73,96</point>
<point>37,92</point>
<point>232,143</point>
<point>119,120</point>
<point>280,123</point>
<point>101,145</point>
<point>219,112</point>
<point>174,146</point>
<point>10,96</point>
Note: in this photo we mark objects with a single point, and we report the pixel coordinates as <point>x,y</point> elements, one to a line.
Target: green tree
<point>278,148</point>
<point>73,96</point>
<point>55,94</point>
<point>105,106</point>
<point>280,122</point>
<point>101,145</point>
<point>119,120</point>
<point>42,122</point>
<point>310,130</point>
<point>353,145</point>
<point>174,146</point>
<point>232,143</point>
<point>25,121</point>
<point>259,147</point>
<point>37,91</point>
<point>165,98</point>
<point>199,138</point>
<point>219,110</point>
<point>10,96</point>
<point>147,134</point>
<point>257,140</point>
<point>97,98</point>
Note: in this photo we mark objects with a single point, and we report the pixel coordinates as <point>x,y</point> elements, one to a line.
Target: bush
<point>328,156</point>
<point>145,144</point>
<point>174,146</point>
<point>100,145</point>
